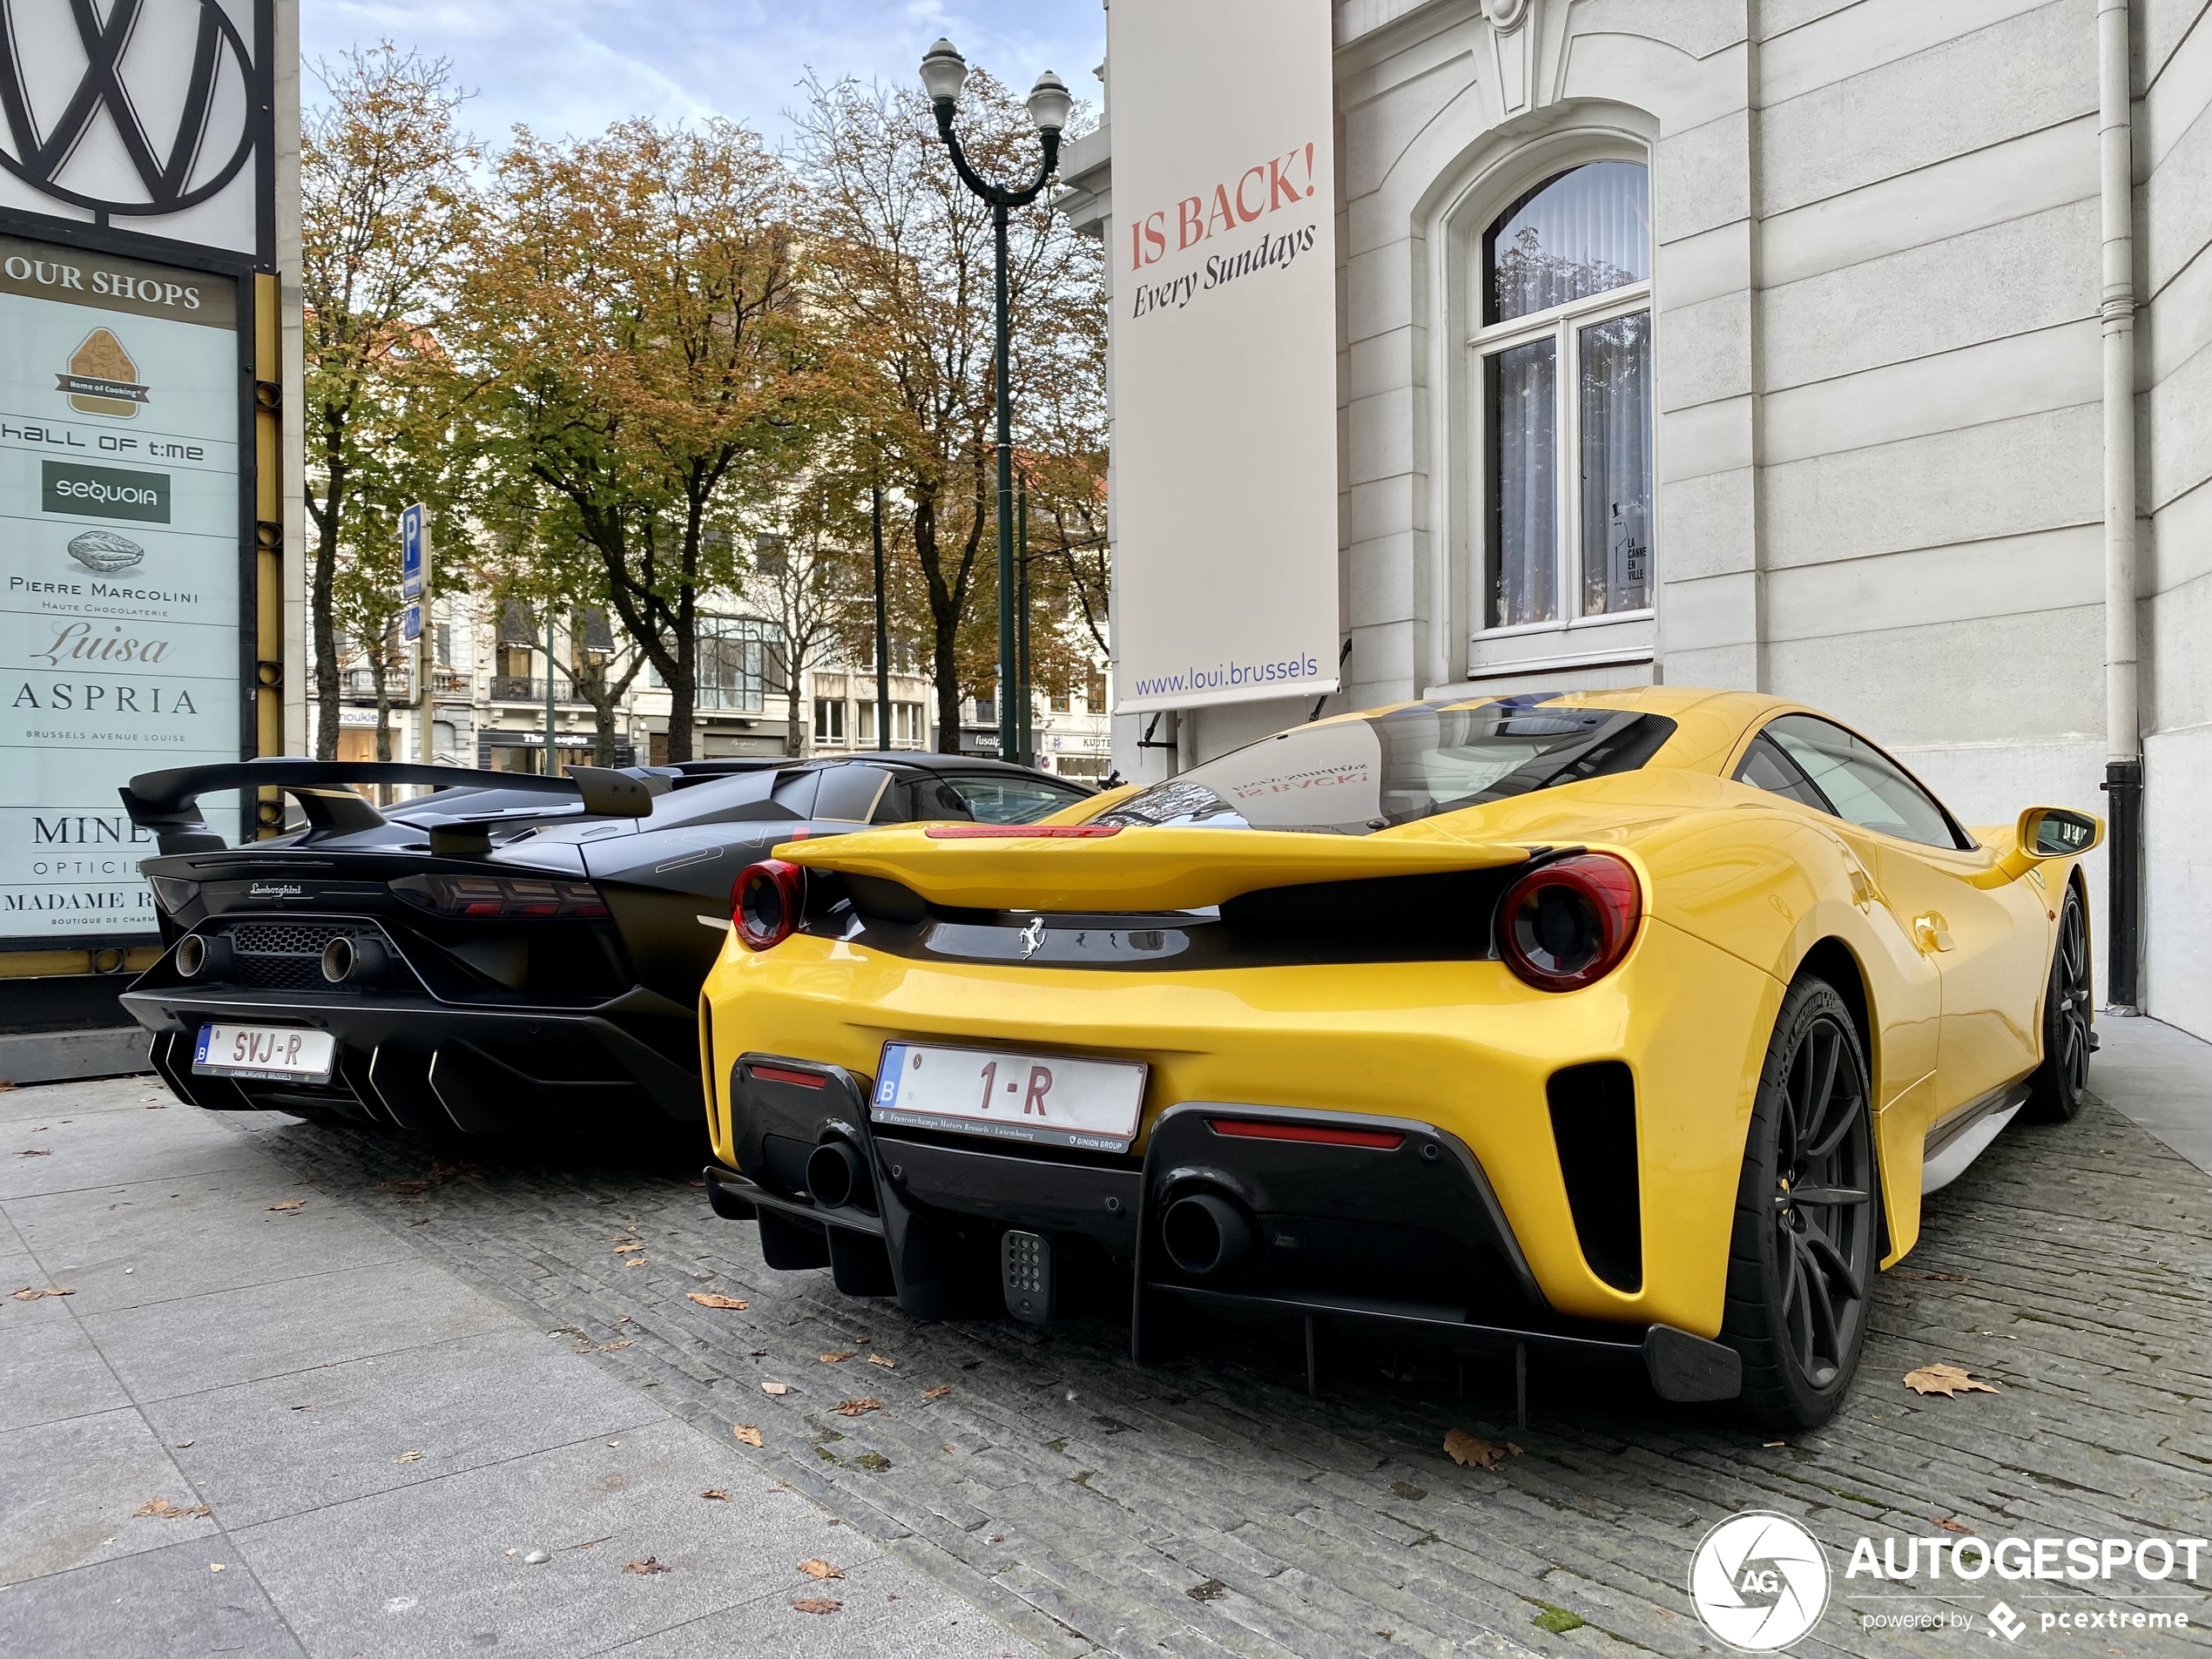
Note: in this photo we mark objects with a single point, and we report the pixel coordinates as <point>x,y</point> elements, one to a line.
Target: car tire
<point>2060,1085</point>
<point>1800,1269</point>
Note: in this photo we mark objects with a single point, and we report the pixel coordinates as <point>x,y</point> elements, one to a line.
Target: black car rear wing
<point>168,802</point>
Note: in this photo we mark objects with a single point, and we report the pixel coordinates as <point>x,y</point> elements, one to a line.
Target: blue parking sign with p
<point>411,522</point>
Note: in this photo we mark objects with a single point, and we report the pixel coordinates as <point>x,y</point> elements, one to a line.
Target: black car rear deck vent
<point>1594,1125</point>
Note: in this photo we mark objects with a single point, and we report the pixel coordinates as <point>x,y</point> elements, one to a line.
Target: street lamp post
<point>943,72</point>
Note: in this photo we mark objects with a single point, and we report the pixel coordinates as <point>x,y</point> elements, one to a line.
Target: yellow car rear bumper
<point>1461,1046</point>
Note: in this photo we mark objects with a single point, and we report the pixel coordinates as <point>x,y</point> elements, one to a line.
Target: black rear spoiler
<point>168,802</point>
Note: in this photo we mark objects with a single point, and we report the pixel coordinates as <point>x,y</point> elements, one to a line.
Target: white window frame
<point>1452,433</point>
<point>1563,325</point>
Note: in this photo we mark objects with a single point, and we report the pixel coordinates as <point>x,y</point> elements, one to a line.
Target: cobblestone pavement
<point>1208,1507</point>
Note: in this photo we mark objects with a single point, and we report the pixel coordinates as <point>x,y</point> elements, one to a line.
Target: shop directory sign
<point>119,567</point>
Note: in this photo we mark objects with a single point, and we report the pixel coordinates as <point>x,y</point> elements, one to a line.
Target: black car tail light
<point>766,903</point>
<point>487,896</point>
<point>1252,1129</point>
<point>1568,923</point>
<point>172,893</point>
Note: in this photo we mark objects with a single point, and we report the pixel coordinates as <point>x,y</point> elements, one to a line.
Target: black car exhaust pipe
<point>351,959</point>
<point>206,957</point>
<point>1209,1237</point>
<point>836,1177</point>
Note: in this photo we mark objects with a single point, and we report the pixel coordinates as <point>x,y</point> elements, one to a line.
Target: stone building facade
<point>1761,343</point>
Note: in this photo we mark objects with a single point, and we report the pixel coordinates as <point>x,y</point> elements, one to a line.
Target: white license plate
<point>271,1053</point>
<point>1049,1100</point>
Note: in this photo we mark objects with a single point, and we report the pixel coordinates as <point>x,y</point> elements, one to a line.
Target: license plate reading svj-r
<point>1047,1099</point>
<point>270,1053</point>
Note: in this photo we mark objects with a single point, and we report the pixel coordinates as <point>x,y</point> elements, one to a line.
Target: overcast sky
<point>572,66</point>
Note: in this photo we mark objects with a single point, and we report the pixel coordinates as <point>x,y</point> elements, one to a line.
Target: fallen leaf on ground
<point>746,1432</point>
<point>303,1408</point>
<point>819,1569</point>
<point>162,1509</point>
<point>1951,1523</point>
<point>408,1457</point>
<point>633,1261</point>
<point>1948,1380</point>
<point>878,1359</point>
<point>645,1568</point>
<point>1474,1452</point>
<point>717,1493</point>
<point>708,1300</point>
<point>1212,1590</point>
<point>777,1389</point>
<point>938,1393</point>
<point>858,1407</point>
<point>837,1356</point>
<point>27,1294</point>
<point>36,1152</point>
<point>288,1205</point>
<point>214,1566</point>
<point>627,1249</point>
<point>1771,1444</point>
<point>817,1604</point>
<point>620,1342</point>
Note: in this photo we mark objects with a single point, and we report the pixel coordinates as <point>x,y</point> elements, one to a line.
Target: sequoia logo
<point>103,492</point>
<point>101,377</point>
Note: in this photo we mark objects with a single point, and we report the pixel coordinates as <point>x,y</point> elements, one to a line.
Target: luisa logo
<point>1759,1581</point>
<point>191,63</point>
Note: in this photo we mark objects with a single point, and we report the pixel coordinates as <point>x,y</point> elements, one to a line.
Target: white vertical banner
<point>1224,351</point>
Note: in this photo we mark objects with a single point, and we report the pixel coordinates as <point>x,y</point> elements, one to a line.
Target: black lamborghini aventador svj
<point>511,953</point>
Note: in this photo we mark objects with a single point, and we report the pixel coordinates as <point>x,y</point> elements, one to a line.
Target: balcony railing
<point>446,683</point>
<point>360,684</point>
<point>513,688</point>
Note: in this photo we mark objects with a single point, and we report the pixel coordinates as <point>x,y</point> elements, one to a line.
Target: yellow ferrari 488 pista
<point>1628,1025</point>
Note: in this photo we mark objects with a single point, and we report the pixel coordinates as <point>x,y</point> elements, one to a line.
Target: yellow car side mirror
<point>2045,832</point>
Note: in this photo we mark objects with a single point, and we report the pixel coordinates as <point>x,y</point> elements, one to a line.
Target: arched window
<point>1564,352</point>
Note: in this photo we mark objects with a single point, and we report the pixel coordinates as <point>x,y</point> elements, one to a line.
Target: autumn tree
<point>906,264</point>
<point>633,326</point>
<point>385,201</point>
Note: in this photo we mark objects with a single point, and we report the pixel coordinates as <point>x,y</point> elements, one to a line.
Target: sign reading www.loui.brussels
<point>1224,353</point>
<point>120,609</point>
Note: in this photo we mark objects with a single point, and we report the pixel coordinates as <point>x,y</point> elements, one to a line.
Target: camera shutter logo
<point>204,94</point>
<point>1759,1581</point>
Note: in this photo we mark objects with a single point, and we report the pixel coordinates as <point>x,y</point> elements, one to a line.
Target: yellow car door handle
<point>1930,932</point>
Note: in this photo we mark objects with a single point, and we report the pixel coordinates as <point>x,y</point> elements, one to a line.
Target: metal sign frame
<point>106,233</point>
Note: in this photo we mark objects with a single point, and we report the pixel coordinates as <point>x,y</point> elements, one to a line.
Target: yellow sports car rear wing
<point>1116,867</point>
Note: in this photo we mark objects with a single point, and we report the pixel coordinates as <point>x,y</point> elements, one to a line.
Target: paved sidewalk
<point>2162,1078</point>
<point>1202,1508</point>
<point>263,1423</point>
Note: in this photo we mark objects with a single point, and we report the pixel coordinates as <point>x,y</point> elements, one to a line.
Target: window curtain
<point>1521,393</point>
<point>1585,231</point>
<point>1616,464</point>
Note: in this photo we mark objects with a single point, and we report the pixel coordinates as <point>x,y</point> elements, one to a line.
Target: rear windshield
<point>1355,777</point>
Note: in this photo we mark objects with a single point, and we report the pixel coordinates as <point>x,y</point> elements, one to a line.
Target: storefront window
<point>1565,359</point>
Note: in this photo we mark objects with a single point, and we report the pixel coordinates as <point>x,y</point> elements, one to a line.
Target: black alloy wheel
<point>1803,1254</point>
<point>2061,1083</point>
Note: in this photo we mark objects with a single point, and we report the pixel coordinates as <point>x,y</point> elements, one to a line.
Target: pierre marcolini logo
<point>103,492</point>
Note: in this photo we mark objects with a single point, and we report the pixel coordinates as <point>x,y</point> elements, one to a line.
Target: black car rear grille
<point>283,955</point>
